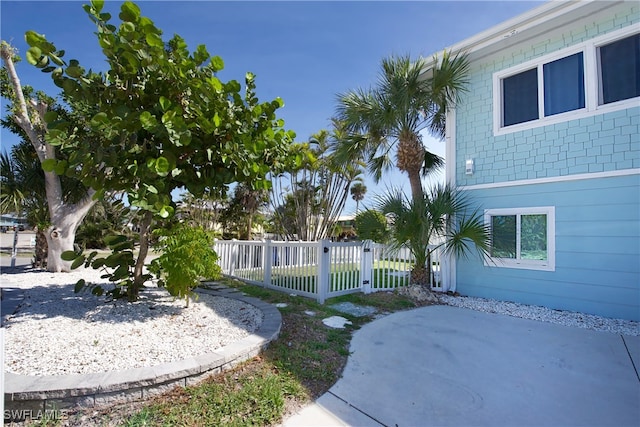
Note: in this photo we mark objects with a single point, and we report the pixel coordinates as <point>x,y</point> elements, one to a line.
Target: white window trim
<point>591,80</point>
<point>547,265</point>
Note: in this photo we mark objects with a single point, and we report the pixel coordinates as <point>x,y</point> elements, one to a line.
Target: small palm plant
<point>440,218</point>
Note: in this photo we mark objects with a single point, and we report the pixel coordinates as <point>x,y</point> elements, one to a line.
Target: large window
<point>522,238</point>
<point>620,70</point>
<point>602,74</point>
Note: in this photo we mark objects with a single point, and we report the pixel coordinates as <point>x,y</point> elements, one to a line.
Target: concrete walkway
<point>448,366</point>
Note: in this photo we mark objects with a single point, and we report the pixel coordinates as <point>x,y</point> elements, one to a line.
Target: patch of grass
<point>252,394</point>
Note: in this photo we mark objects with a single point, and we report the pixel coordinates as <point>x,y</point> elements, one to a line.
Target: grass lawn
<point>302,364</point>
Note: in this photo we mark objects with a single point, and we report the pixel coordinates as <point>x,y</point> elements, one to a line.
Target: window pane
<point>620,69</point>
<point>563,85</point>
<point>533,237</point>
<point>520,97</point>
<point>503,236</point>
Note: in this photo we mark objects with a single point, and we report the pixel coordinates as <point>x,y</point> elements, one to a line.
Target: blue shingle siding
<point>586,141</point>
<point>597,217</point>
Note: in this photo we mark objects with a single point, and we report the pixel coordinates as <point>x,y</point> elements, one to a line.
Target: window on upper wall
<point>562,81</point>
<point>600,75</point>
<point>619,68</point>
<point>522,238</point>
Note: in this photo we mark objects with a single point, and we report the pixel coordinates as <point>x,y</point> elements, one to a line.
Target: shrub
<point>187,256</point>
<point>372,225</point>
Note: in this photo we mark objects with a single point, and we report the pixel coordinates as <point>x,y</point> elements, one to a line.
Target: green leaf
<point>80,284</point>
<point>114,239</point>
<point>68,255</point>
<point>165,104</point>
<point>166,212</point>
<point>216,119</point>
<point>127,27</point>
<point>217,63</point>
<point>57,58</point>
<point>33,55</point>
<point>99,120</point>
<point>78,262</point>
<point>49,165</point>
<point>154,40</point>
<point>147,120</point>
<point>50,116</point>
<point>74,71</point>
<point>97,5</point>
<point>61,167</point>
<point>32,38</point>
<point>129,12</point>
<point>162,166</point>
<point>215,83</point>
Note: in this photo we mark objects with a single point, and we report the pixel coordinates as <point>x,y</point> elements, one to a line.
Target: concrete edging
<point>33,394</point>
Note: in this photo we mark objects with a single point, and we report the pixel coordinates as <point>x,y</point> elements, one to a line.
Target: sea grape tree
<point>160,120</point>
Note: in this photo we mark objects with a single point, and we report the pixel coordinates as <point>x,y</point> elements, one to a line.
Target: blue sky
<point>304,52</point>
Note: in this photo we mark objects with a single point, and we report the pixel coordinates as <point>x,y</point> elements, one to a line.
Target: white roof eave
<point>550,15</point>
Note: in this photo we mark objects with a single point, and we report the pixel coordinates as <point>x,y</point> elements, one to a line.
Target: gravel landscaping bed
<point>56,331</point>
<point>567,318</point>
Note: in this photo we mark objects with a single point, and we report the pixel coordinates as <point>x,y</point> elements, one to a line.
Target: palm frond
<point>432,163</point>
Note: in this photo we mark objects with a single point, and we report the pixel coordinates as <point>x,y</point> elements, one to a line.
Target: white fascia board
<point>552,14</point>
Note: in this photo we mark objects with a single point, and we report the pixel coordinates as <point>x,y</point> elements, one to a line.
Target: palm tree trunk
<point>416,184</point>
<point>410,157</point>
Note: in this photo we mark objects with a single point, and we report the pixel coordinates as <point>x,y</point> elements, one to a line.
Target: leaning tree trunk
<point>65,217</point>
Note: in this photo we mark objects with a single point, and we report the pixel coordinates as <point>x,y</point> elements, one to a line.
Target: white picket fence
<point>323,269</point>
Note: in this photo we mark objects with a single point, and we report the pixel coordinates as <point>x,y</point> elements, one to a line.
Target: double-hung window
<point>602,74</point>
<point>522,238</point>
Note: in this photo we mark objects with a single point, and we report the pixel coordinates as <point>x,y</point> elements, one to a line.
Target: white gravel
<point>567,318</point>
<point>56,331</point>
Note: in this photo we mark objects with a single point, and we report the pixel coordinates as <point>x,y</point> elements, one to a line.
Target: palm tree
<point>308,201</point>
<point>409,97</point>
<point>23,193</point>
<point>439,218</point>
<point>358,190</point>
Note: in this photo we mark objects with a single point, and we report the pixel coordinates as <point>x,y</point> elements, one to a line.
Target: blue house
<point>547,143</point>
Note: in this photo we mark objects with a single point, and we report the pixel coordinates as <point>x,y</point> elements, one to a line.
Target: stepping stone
<point>354,309</point>
<point>310,313</point>
<point>336,322</point>
<point>281,304</point>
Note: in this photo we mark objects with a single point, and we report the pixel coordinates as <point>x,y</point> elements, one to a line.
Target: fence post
<point>234,257</point>
<point>324,270</point>
<point>366,266</point>
<point>267,259</point>
<point>446,275</point>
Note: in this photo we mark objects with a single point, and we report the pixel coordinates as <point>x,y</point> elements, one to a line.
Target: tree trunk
<point>65,218</point>
<point>410,157</point>
<point>145,228</point>
<point>420,276</point>
<point>41,250</point>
